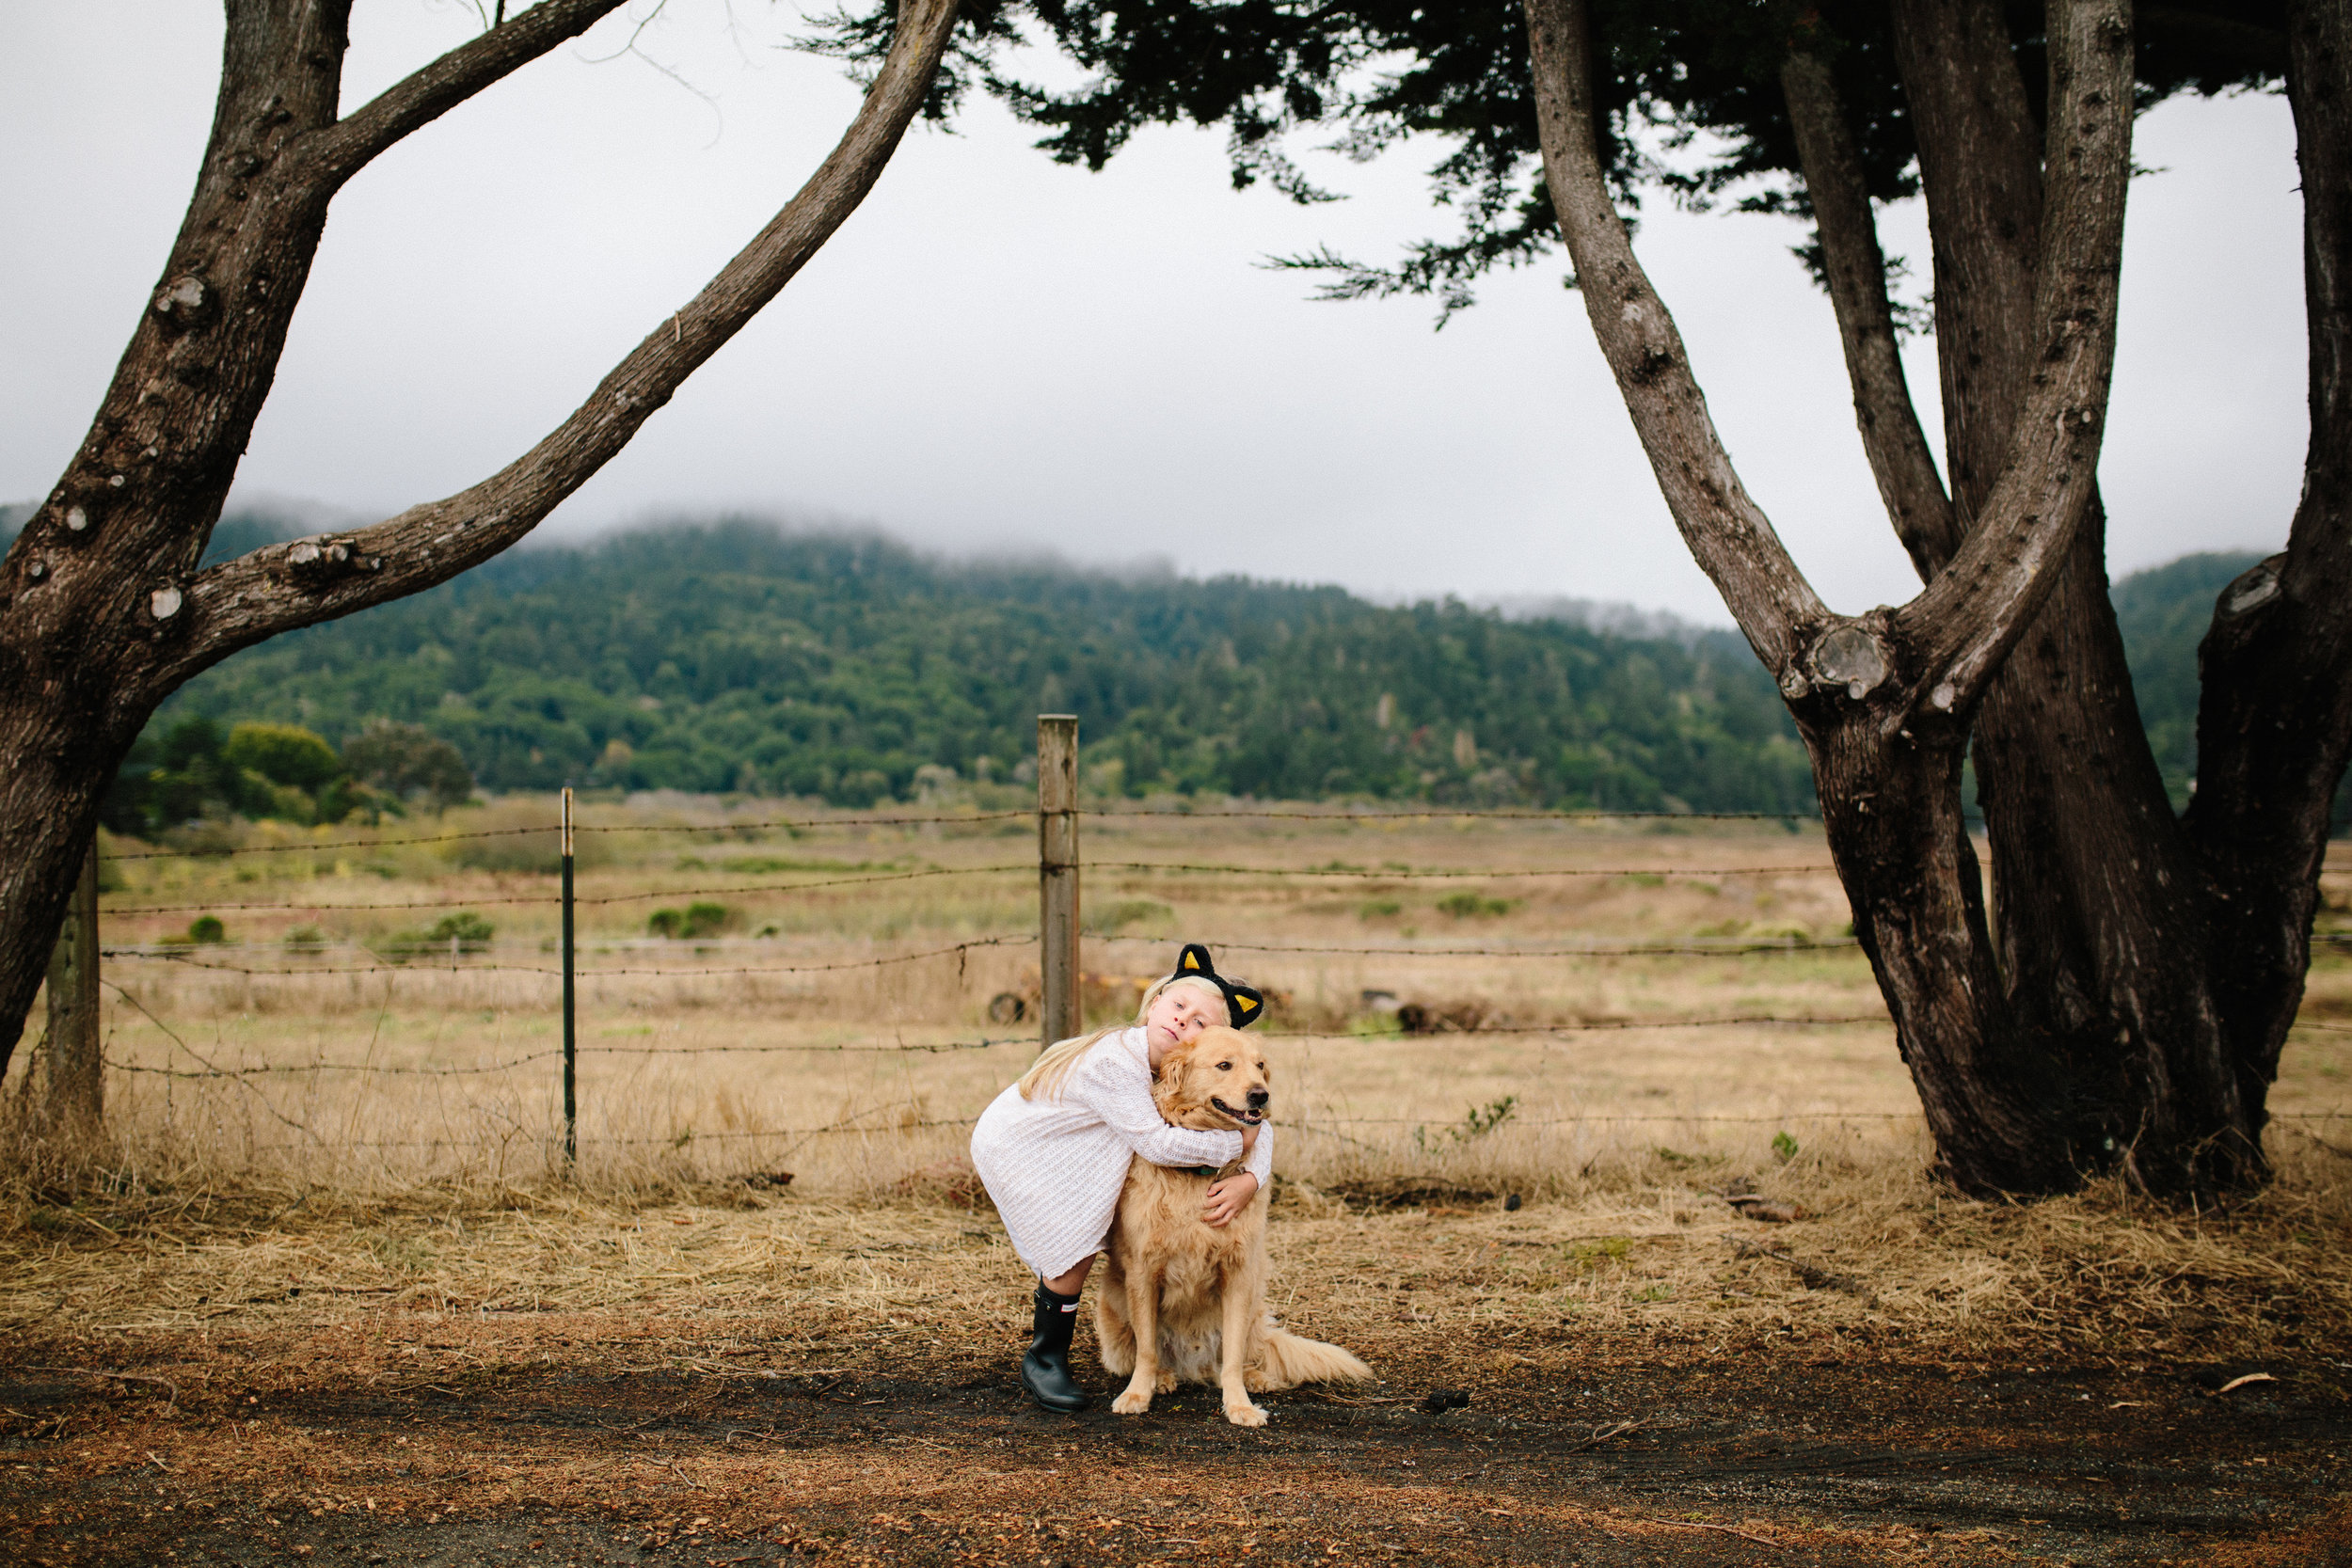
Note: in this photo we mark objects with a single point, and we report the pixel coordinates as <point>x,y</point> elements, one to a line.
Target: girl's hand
<point>1228,1197</point>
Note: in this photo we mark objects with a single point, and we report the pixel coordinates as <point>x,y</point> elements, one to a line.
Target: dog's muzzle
<point>1249,1118</point>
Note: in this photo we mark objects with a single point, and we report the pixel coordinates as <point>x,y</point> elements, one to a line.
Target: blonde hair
<point>1044,1078</point>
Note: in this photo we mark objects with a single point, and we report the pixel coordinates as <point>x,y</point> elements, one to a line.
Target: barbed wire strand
<point>1387,875</point>
<point>1693,946</point>
<point>942,1047</point>
<point>1455,814</point>
<point>689,1138</point>
<point>552,828</point>
<point>611,899</point>
<point>1411,874</point>
<point>186,960</point>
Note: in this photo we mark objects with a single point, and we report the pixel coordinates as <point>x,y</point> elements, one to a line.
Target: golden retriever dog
<point>1181,1300</point>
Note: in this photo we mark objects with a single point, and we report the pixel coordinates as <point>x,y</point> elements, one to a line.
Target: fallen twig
<point>1691,1524</point>
<point>1602,1434</point>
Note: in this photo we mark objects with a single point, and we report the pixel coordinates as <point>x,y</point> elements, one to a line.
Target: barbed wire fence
<point>1056,997</point>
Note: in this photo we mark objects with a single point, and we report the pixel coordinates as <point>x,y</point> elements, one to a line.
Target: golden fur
<point>1190,1297</point>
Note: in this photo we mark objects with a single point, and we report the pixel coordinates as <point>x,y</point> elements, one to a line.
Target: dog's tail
<point>1288,1360</point>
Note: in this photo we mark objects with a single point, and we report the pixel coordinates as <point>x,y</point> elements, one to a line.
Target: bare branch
<point>346,147</point>
<point>1856,269</point>
<point>1725,531</point>
<point>284,586</point>
<point>1968,617</point>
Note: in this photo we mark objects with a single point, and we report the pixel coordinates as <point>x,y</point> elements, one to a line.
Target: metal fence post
<point>1058,872</point>
<point>77,1076</point>
<point>571,1095</point>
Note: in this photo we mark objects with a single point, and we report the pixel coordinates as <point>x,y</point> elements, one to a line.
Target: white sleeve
<point>1125,1104</point>
<point>1260,1162</point>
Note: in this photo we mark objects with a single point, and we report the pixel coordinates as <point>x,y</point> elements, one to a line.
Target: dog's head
<point>1218,1083</point>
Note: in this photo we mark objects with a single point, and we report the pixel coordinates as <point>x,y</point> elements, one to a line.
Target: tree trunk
<point>2148,967</point>
<point>2274,720</point>
<point>103,610</point>
<point>1885,701</point>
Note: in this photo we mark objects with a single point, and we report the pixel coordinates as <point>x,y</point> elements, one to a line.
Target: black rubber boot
<point>1046,1370</point>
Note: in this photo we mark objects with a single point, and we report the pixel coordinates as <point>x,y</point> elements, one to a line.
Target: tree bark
<point>2274,722</point>
<point>1885,700</point>
<point>102,611</point>
<point>2100,899</point>
<point>1896,448</point>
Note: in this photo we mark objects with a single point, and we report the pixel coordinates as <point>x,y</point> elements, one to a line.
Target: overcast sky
<point>1000,353</point>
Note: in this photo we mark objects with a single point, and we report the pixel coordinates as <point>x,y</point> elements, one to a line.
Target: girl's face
<point>1178,1014</point>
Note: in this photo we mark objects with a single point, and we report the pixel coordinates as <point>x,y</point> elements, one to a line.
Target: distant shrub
<point>701,919</point>
<point>305,936</point>
<point>1378,908</point>
<point>1462,906</point>
<point>207,929</point>
<point>469,931</point>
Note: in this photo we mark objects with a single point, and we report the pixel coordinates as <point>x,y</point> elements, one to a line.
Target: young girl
<point>1053,1150</point>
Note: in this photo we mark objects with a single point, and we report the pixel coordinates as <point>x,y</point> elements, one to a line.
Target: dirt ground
<point>873,1419</point>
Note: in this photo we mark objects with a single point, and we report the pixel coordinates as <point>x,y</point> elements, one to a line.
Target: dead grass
<point>433,1181</point>
<point>1882,1265</point>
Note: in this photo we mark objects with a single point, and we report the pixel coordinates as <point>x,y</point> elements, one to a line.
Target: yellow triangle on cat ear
<point>1191,963</point>
<point>1247,1005</point>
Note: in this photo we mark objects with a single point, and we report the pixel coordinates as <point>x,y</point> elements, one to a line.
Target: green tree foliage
<point>1691,102</point>
<point>408,763</point>
<point>285,754</point>
<point>736,658</point>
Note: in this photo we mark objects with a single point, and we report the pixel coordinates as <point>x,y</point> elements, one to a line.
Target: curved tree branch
<point>1965,621</point>
<point>1726,532</point>
<point>1856,269</point>
<point>280,586</point>
<point>342,149</point>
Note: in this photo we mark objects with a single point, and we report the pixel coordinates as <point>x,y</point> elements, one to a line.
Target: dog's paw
<point>1244,1415</point>
<point>1167,1383</point>
<point>1132,1403</point>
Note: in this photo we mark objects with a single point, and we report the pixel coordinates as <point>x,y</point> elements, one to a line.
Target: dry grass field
<point>363,1237</point>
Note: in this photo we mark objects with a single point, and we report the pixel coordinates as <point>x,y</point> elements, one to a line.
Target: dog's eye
<point>1224,1067</point>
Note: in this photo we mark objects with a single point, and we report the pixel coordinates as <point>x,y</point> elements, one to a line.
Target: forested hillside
<point>739,657</point>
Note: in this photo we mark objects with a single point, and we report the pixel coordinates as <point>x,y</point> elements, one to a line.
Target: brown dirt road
<point>559,1450</point>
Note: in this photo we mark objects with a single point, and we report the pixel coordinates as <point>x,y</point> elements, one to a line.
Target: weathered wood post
<point>1058,872</point>
<point>77,1075</point>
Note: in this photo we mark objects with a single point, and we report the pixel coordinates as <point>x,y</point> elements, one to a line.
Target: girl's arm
<point>1125,1104</point>
<point>1230,1197</point>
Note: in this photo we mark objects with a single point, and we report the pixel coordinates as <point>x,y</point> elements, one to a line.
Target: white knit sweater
<point>1054,1168</point>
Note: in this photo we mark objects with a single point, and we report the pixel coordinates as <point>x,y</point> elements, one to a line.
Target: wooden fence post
<point>77,1075</point>
<point>1058,872</point>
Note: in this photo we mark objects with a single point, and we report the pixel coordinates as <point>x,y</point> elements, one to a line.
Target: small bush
<point>1476,1123</point>
<point>700,919</point>
<point>1784,1146</point>
<point>1462,906</point>
<point>468,930</point>
<point>206,929</point>
<point>305,937</point>
<point>1378,908</point>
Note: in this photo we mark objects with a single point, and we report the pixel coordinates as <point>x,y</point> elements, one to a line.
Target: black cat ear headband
<point>1245,1003</point>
